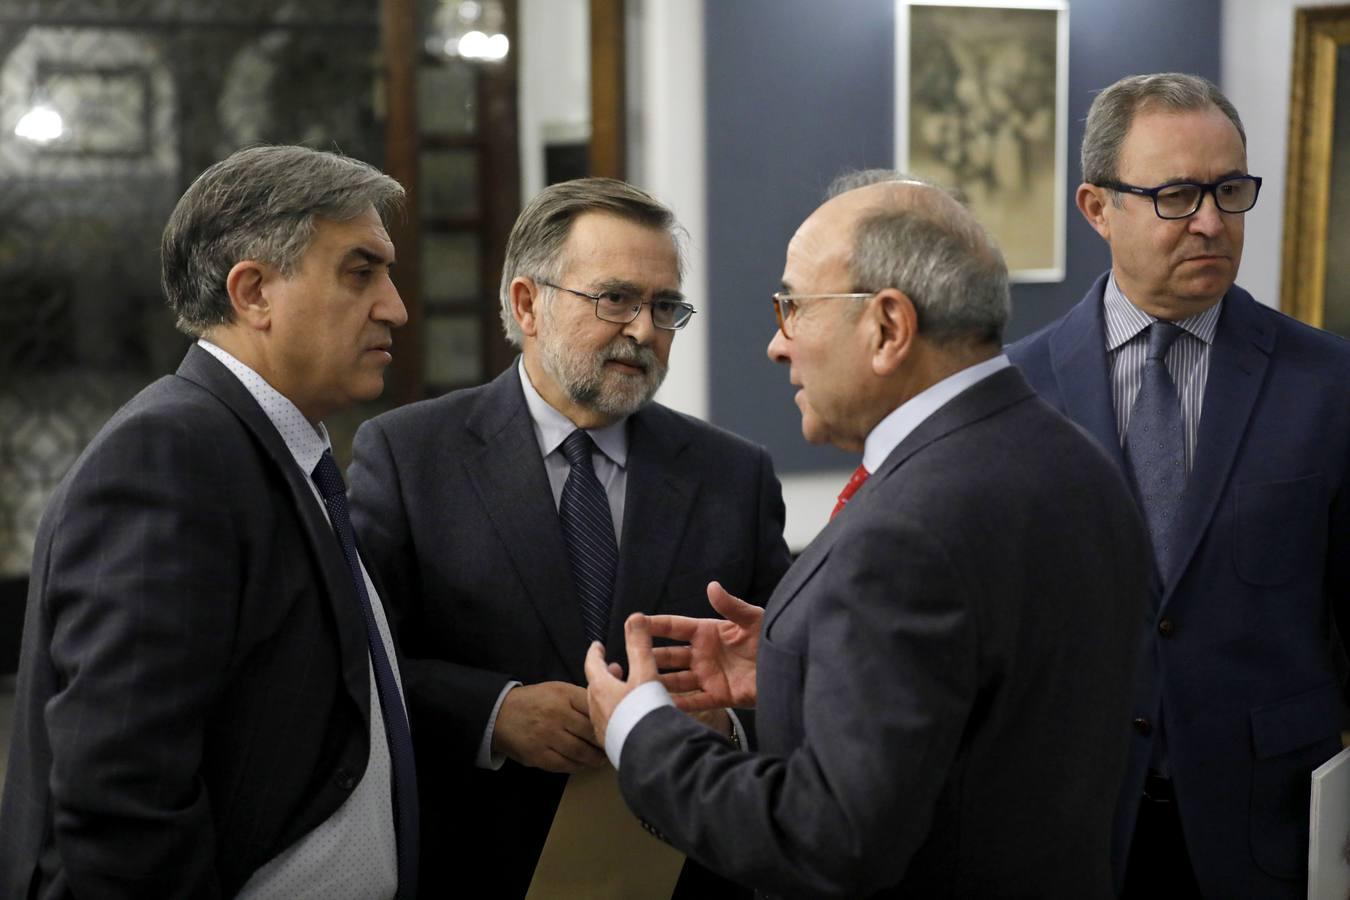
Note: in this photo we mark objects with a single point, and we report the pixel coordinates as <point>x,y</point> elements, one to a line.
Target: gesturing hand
<point>717,666</point>
<point>605,684</point>
<point>547,726</point>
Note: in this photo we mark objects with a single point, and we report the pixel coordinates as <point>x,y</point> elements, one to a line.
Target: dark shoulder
<point>448,411</point>
<point>697,433</point>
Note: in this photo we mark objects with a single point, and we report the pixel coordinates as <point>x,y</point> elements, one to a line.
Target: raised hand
<point>716,667</point>
<point>547,726</point>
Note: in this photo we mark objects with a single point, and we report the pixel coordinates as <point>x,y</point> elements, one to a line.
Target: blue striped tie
<point>589,530</point>
<point>1155,444</point>
<point>334,492</point>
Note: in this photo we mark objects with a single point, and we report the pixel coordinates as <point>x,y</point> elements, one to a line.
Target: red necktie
<point>859,476</point>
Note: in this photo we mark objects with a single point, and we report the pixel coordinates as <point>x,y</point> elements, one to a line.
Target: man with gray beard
<point>515,522</point>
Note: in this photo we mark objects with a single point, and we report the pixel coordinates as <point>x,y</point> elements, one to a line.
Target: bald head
<point>914,236</point>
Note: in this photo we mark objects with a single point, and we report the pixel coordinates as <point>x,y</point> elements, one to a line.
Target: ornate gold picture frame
<point>1315,280</point>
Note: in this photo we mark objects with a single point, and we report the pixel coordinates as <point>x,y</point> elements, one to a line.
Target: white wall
<point>1258,57</point>
<point>555,82</point>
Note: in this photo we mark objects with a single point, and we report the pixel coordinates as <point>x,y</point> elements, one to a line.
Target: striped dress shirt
<point>1187,360</point>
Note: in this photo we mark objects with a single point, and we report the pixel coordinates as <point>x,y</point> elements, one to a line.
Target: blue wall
<point>800,90</point>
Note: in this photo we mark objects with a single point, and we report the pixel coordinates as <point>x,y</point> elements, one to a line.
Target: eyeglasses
<point>1181,199</point>
<point>622,307</point>
<point>785,307</point>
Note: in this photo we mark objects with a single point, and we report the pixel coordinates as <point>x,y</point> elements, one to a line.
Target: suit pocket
<point>1289,739</point>
<point>1278,525</point>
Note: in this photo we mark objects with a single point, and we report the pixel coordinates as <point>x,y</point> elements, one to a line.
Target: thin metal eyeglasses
<point>1181,199</point>
<point>785,307</point>
<point>621,307</point>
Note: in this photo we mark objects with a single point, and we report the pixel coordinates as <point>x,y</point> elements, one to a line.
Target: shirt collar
<point>898,425</point>
<point>306,442</point>
<point>1124,320</point>
<point>551,427</point>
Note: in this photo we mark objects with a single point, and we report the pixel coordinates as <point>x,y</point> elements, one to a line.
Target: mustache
<point>625,351</point>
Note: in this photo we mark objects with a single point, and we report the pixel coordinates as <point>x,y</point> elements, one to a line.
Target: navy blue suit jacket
<point>1244,672</point>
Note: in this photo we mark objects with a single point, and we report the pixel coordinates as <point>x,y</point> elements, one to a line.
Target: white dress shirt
<point>353,853</point>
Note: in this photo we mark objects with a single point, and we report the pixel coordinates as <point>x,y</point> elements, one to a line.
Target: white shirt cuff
<point>641,700</point>
<point>486,758</point>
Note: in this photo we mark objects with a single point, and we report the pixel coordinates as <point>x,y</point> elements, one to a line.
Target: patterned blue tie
<point>1155,444</point>
<point>334,492</point>
<point>588,528</point>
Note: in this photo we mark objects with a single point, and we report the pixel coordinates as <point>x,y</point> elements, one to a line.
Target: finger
<point>552,761</point>
<point>732,608</point>
<point>679,628</point>
<point>616,670</point>
<point>679,682</point>
<point>638,638</point>
<point>595,668</point>
<point>579,700</point>
<point>694,701</point>
<point>582,754</point>
<point>672,657</point>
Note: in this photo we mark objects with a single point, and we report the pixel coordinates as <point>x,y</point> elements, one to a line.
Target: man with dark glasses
<point>1232,423</point>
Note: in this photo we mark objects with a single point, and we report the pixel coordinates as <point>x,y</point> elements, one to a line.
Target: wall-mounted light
<point>41,124</point>
<point>471,30</point>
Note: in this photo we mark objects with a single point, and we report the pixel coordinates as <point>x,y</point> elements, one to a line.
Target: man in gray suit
<point>516,521</point>
<point>939,679</point>
<point>208,703</point>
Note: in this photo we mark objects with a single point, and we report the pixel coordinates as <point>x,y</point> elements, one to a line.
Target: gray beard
<point>587,383</point>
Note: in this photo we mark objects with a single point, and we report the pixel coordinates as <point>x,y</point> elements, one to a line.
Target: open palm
<point>716,666</point>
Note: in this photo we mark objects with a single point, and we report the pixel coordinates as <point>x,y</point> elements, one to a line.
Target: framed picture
<point>1315,284</point>
<point>981,94</point>
<point>108,109</point>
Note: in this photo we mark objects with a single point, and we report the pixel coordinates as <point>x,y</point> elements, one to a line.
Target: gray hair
<point>259,203</point>
<point>937,254</point>
<point>534,249</point>
<point>1113,111</point>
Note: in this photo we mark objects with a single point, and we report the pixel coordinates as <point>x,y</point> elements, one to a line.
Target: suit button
<point>1143,726</point>
<point>345,779</point>
<point>1166,627</point>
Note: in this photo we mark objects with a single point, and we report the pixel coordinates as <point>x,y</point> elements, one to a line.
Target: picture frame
<point>1315,284</point>
<point>109,109</point>
<point>981,106</point>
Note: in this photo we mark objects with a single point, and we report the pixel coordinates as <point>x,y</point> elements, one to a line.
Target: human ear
<point>1092,203</point>
<point>246,284</point>
<point>896,319</point>
<point>525,300</point>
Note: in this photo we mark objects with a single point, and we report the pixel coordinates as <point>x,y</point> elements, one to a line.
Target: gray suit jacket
<point>454,508</point>
<point>943,679</point>
<point>193,691</point>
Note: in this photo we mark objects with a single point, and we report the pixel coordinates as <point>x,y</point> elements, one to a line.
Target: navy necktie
<point>588,528</point>
<point>1155,443</point>
<point>334,492</point>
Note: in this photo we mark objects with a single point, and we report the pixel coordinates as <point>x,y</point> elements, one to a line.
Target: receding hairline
<point>910,196</point>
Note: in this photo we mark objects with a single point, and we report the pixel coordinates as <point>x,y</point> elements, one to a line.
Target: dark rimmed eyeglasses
<point>785,307</point>
<point>622,307</point>
<point>1181,199</point>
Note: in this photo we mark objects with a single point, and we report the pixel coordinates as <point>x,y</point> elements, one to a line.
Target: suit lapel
<point>509,477</point>
<point>657,504</point>
<point>982,399</point>
<point>205,370</point>
<point>1078,357</point>
<point>1238,360</point>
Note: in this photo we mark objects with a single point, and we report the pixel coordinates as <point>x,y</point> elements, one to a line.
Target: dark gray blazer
<point>943,677</point>
<point>453,504</point>
<point>193,687</point>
